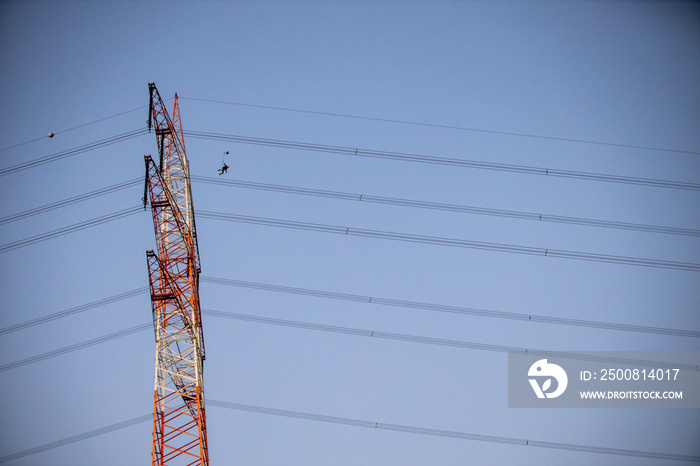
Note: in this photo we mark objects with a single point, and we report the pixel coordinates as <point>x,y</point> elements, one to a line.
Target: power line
<point>76,127</point>
<point>351,331</point>
<point>319,193</point>
<point>76,347</point>
<point>70,201</point>
<point>103,119</point>
<point>448,207</point>
<point>74,151</point>
<point>405,157</point>
<point>360,423</point>
<point>70,229</point>
<point>358,197</point>
<point>323,328</point>
<point>76,438</point>
<point>451,434</point>
<point>452,309</point>
<point>23,143</point>
<point>365,198</point>
<point>452,127</point>
<point>73,310</point>
<point>444,342</point>
<point>452,242</point>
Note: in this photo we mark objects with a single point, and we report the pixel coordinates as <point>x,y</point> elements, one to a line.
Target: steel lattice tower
<point>179,424</point>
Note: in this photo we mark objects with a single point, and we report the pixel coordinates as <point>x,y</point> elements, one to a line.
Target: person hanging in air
<point>224,167</point>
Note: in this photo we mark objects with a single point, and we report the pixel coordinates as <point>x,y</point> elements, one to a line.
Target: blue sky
<point>620,73</point>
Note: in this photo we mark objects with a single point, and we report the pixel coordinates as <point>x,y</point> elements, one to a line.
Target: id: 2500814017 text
<point>631,374</point>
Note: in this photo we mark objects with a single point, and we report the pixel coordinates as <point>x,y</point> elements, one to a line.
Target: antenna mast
<point>179,424</point>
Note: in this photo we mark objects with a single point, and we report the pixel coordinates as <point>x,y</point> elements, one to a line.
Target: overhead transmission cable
<point>447,207</point>
<point>72,311</point>
<point>371,199</point>
<point>142,107</point>
<point>444,342</point>
<point>75,347</point>
<point>350,331</point>
<point>452,242</point>
<point>70,229</point>
<point>76,438</point>
<point>335,329</point>
<point>441,241</point>
<point>452,309</point>
<point>451,127</point>
<point>452,434</point>
<point>362,423</point>
<point>22,143</point>
<point>318,193</point>
<point>70,201</point>
<point>74,151</point>
<point>405,157</point>
<point>78,126</point>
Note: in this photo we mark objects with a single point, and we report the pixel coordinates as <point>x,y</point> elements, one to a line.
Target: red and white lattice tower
<point>179,424</point>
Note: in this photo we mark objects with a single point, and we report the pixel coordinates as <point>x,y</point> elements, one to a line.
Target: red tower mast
<point>179,423</point>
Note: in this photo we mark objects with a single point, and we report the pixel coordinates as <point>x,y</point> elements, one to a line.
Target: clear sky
<point>622,73</point>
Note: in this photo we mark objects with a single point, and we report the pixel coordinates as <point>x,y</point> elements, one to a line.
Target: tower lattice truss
<point>179,424</point>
